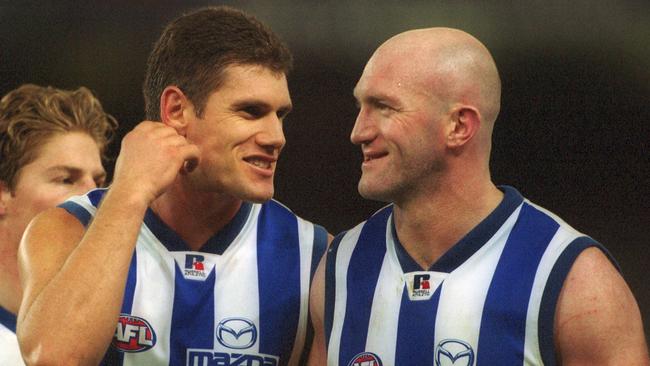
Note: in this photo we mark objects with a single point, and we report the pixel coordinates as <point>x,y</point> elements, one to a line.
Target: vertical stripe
<point>365,265</point>
<point>279,280</point>
<point>192,316</point>
<point>463,292</point>
<point>415,335</point>
<point>384,316</point>
<point>113,356</point>
<point>503,325</point>
<point>330,286</point>
<point>306,234</point>
<point>340,262</point>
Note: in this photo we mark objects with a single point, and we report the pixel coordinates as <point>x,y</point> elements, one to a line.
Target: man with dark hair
<point>456,270</point>
<point>187,260</point>
<point>51,146</point>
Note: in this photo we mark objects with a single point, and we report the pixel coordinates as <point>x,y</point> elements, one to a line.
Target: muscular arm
<point>74,281</point>
<point>73,292</point>
<point>318,353</point>
<point>598,321</point>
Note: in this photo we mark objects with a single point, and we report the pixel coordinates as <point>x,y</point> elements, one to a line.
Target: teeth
<point>260,163</point>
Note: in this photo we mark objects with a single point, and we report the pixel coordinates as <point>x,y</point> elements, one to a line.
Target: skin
<point>428,100</point>
<point>66,164</point>
<point>182,179</point>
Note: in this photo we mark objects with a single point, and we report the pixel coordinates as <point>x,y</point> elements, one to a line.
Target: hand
<point>151,157</point>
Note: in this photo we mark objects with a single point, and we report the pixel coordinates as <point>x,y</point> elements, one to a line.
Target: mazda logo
<point>237,333</point>
<point>453,350</point>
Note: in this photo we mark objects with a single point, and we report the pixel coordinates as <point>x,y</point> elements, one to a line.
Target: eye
<point>64,179</point>
<point>253,111</point>
<point>383,106</point>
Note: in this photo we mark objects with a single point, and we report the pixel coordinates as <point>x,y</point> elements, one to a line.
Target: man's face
<point>240,134</point>
<point>399,130</point>
<point>66,164</point>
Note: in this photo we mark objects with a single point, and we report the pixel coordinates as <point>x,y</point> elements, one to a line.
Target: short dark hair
<point>194,50</point>
<point>31,114</point>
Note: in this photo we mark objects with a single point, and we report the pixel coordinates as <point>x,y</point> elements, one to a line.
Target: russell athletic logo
<point>133,334</point>
<point>365,359</point>
<point>194,266</point>
<point>454,352</point>
<point>422,285</point>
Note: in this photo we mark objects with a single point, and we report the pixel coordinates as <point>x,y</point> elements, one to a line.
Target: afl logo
<point>237,333</point>
<point>454,352</point>
<point>133,334</point>
<point>365,359</point>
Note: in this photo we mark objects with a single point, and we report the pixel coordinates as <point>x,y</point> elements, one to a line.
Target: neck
<point>195,216</point>
<point>10,290</point>
<point>430,224</point>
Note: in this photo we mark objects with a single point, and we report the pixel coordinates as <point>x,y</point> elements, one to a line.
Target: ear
<point>466,121</point>
<point>173,105</point>
<point>5,196</point>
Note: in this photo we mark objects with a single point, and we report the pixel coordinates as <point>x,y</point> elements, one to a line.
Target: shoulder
<point>50,237</point>
<point>597,318</point>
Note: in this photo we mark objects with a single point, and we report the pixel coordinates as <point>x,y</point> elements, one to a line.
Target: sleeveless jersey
<point>9,351</point>
<point>241,300</point>
<point>489,300</point>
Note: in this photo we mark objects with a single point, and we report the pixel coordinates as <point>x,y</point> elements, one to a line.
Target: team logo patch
<point>454,352</point>
<point>133,334</point>
<point>237,333</point>
<point>422,285</point>
<point>365,359</point>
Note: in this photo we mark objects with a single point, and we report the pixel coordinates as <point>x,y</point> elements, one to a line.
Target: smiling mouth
<point>367,158</point>
<point>260,163</point>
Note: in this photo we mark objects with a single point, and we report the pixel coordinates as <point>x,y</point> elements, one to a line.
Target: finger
<point>191,157</point>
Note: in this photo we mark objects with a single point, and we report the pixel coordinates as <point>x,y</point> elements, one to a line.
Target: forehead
<point>389,75</point>
<point>254,81</point>
<point>69,148</point>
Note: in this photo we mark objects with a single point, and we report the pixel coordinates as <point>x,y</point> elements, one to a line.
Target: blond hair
<point>31,114</point>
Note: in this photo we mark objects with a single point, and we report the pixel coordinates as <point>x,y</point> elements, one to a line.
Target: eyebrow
<point>74,170</point>
<point>374,98</point>
<point>284,110</point>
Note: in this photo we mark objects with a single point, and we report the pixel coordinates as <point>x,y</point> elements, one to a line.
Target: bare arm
<point>318,353</point>
<point>74,281</point>
<point>598,321</point>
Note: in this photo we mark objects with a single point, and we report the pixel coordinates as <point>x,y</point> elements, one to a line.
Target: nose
<point>272,136</point>
<point>85,185</point>
<point>363,130</point>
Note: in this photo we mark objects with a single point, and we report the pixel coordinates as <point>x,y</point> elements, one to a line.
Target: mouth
<point>263,164</point>
<point>370,156</point>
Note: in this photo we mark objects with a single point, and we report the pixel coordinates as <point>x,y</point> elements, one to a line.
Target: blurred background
<point>572,135</point>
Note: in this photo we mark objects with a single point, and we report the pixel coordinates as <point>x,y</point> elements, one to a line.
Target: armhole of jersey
<point>77,211</point>
<point>551,294</point>
<point>330,285</point>
<point>320,245</point>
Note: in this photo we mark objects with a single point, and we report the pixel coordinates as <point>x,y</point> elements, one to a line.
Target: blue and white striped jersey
<point>490,300</point>
<point>9,351</point>
<point>241,300</point>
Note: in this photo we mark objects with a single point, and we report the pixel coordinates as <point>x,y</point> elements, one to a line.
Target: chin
<point>373,193</point>
<point>257,196</point>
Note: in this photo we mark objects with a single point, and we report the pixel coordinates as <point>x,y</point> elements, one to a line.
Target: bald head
<point>450,64</point>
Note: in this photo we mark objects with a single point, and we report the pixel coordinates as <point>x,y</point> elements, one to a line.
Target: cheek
<point>38,200</point>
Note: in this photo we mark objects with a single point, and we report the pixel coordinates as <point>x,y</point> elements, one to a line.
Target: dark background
<point>572,135</point>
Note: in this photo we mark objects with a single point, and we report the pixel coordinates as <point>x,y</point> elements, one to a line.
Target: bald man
<point>456,270</point>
